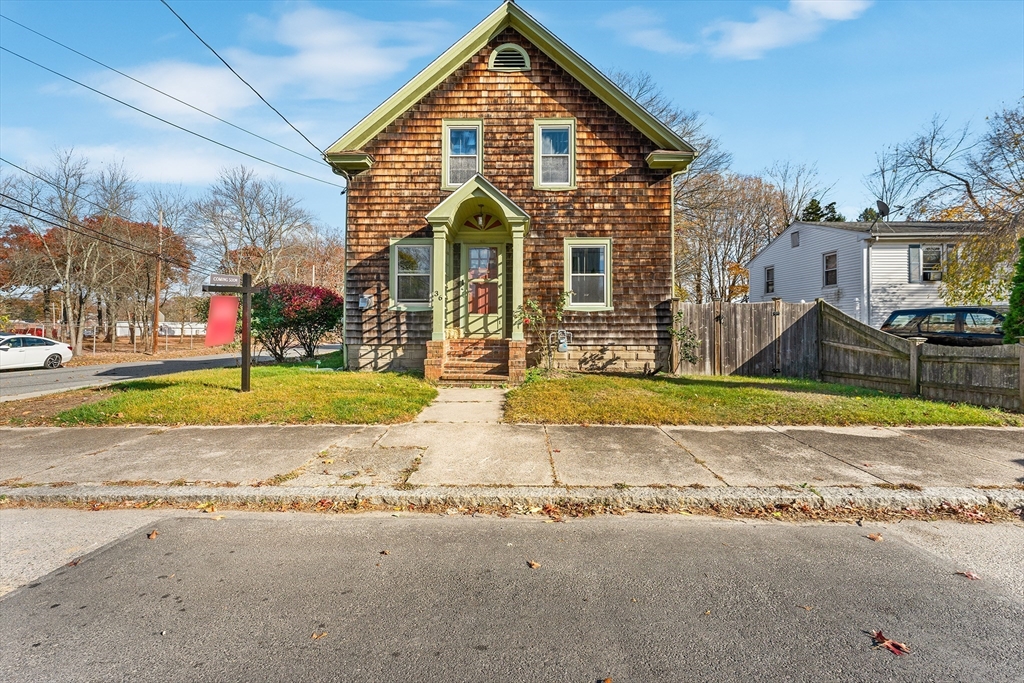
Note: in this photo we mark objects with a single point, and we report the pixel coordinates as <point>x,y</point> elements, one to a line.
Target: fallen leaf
<point>970,575</point>
<point>385,552</point>
<point>532,564</point>
<point>74,562</point>
<point>27,412</point>
<point>318,636</point>
<point>892,646</point>
<point>877,538</point>
<point>210,509</point>
<point>329,461</point>
<point>152,534</point>
<point>807,608</point>
<point>553,450</point>
<point>217,517</point>
<point>708,613</point>
<point>607,680</point>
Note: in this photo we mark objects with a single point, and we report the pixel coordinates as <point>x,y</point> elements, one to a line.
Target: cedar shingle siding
<point>617,196</point>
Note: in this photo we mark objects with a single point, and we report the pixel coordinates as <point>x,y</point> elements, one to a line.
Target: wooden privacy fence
<point>818,341</point>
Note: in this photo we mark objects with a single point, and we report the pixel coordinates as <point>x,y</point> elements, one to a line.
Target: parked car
<point>951,326</point>
<point>27,351</point>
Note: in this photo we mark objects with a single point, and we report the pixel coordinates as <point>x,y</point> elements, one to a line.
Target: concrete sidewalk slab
<point>1004,445</point>
<point>216,454</point>
<point>899,458</point>
<point>638,456</point>
<point>457,405</point>
<point>462,455</point>
<point>358,466</point>
<point>762,456</point>
<point>36,453</point>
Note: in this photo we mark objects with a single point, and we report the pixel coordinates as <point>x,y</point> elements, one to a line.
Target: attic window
<point>509,57</point>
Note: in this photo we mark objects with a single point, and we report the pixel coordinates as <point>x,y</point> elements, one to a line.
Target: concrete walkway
<point>437,450</point>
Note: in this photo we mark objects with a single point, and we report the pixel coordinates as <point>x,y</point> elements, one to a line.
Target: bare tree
<point>796,185</point>
<point>245,224</point>
<point>893,181</point>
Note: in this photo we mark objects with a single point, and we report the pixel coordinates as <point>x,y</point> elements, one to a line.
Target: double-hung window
<point>928,261</point>
<point>588,273</point>
<point>410,273</point>
<point>463,151</point>
<point>554,154</point>
<point>831,269</point>
<point>769,280</point>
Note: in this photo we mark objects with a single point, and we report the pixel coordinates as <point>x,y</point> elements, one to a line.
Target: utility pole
<point>156,296</point>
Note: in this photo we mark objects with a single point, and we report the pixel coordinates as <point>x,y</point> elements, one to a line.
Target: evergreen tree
<point>814,213</point>
<point>1013,326</point>
<point>868,215</point>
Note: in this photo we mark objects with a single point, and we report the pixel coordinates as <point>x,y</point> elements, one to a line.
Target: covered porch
<point>477,271</point>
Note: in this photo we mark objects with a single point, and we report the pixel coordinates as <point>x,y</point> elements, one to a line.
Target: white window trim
<point>446,126</point>
<point>915,262</point>
<point>538,125</point>
<point>824,269</point>
<point>766,269</point>
<point>571,242</point>
<point>508,46</point>
<point>393,303</point>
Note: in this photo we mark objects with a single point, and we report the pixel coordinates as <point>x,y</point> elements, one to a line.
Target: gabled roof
<point>478,187</point>
<point>905,229</point>
<point>509,15</point>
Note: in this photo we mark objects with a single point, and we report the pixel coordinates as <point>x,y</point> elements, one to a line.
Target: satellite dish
<point>883,208</point>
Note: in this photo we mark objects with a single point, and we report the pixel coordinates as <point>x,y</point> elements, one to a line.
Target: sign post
<point>233,284</point>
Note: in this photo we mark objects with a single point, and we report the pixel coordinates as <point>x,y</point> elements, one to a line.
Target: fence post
<point>673,359</point>
<point>716,308</point>
<point>777,332</point>
<point>915,364</point>
<point>1020,370</point>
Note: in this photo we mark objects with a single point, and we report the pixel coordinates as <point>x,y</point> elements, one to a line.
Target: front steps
<point>475,362</point>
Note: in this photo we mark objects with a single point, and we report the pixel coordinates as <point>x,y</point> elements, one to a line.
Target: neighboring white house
<point>866,270</point>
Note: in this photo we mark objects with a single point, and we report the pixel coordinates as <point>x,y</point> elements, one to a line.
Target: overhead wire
<point>158,90</point>
<point>173,125</point>
<point>230,68</point>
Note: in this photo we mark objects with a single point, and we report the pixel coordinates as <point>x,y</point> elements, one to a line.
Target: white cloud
<point>802,21</point>
<point>311,53</point>
<point>642,28</point>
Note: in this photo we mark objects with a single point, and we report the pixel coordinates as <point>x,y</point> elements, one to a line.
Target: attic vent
<point>509,57</point>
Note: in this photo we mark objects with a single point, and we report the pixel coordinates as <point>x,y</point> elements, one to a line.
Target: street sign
<point>230,280</point>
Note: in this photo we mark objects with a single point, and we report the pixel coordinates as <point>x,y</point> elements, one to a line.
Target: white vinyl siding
<point>799,271</point>
<point>891,268</point>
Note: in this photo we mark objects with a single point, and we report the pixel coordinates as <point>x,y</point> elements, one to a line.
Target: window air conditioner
<point>932,276</point>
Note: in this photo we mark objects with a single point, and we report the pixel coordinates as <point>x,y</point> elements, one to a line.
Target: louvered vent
<point>509,57</point>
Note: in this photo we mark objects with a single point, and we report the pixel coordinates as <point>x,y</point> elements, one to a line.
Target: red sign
<point>220,328</point>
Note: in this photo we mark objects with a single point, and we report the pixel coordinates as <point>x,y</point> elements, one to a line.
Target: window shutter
<point>915,263</point>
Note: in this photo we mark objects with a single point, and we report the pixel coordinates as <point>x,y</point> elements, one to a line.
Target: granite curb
<point>636,498</point>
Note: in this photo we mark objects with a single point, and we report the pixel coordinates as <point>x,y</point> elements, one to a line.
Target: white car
<point>27,351</point>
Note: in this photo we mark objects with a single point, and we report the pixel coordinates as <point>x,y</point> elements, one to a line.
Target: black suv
<point>952,326</point>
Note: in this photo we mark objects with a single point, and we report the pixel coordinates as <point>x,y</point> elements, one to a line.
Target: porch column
<point>440,286</point>
<point>517,281</point>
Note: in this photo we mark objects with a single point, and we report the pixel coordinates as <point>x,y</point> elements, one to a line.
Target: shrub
<point>285,314</point>
<point>1013,326</point>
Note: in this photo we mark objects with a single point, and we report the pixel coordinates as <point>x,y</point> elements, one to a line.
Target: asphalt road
<point>638,598</point>
<point>24,383</point>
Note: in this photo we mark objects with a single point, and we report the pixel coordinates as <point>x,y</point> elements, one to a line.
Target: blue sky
<point>811,81</point>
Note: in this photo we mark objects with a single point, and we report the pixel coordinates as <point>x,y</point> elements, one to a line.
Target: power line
<point>240,77</point>
<point>169,123</point>
<point>158,90</point>
<point>91,234</point>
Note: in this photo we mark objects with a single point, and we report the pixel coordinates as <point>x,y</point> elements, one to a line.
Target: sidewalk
<point>458,450</point>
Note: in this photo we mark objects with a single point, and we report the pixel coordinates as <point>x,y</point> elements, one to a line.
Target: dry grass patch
<point>619,399</point>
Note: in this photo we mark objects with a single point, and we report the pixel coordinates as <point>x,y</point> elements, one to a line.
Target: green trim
<point>464,291</point>
<point>447,125</point>
<point>442,216</point>
<point>569,243</point>
<point>539,124</point>
<point>506,46</point>
<point>394,305</point>
<point>350,163</point>
<point>510,15</point>
<point>670,160</point>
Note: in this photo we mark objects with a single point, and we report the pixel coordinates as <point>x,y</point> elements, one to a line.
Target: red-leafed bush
<point>283,314</point>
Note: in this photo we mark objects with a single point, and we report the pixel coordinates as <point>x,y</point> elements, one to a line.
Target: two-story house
<point>867,270</point>
<point>508,170</point>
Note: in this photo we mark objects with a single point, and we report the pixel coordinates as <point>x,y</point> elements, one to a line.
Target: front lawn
<point>617,399</point>
<point>291,393</point>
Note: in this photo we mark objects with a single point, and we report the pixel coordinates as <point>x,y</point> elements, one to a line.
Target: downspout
<point>868,241</point>
<point>344,268</point>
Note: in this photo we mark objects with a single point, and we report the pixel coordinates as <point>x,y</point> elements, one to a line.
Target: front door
<point>483,303</point>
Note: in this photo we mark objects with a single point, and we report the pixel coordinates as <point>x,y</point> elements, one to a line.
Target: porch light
<point>480,217</point>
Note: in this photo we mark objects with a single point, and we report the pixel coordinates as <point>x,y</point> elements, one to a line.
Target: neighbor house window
<point>928,261</point>
<point>769,280</point>
<point>463,151</point>
<point>554,151</point>
<point>410,273</point>
<point>831,278</point>
<point>794,238</point>
<point>588,273</point>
